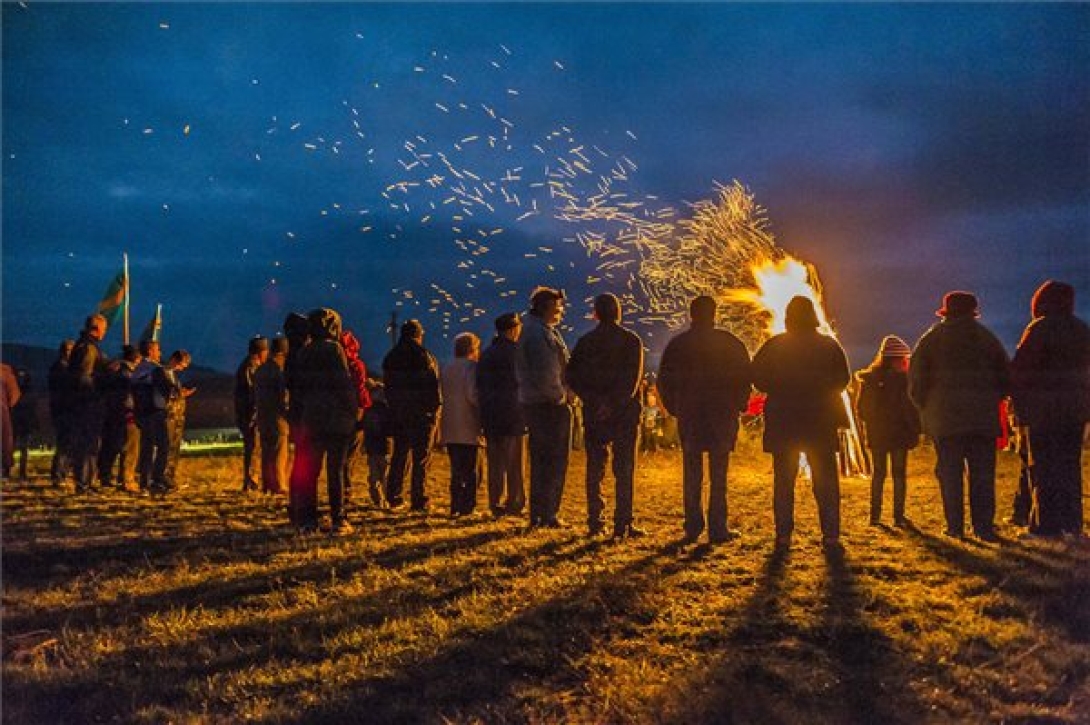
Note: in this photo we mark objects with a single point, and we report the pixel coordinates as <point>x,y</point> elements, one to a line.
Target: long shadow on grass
<point>1059,595</point>
<point>228,591</point>
<point>176,674</point>
<point>488,675</point>
<point>774,669</point>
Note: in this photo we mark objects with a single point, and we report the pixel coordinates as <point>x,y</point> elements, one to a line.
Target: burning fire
<point>777,283</point>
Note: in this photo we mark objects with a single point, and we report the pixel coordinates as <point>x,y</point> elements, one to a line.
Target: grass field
<point>206,607</point>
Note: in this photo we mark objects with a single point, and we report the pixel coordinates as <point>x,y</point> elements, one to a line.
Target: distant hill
<point>212,406</point>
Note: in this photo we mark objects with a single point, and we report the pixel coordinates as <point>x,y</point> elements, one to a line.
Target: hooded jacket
<point>1051,368</point>
<point>325,390</point>
<point>959,373</point>
<point>892,421</point>
<point>356,368</point>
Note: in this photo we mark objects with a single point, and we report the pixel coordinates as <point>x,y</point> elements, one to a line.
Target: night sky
<point>248,157</point>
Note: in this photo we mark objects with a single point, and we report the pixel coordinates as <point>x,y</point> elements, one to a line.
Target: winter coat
<point>325,389</point>
<point>357,369</point>
<point>244,392</point>
<point>498,390</point>
<point>805,374</point>
<point>1051,373</point>
<point>85,366</point>
<point>892,421</point>
<point>271,395</point>
<point>411,376</point>
<point>116,385</point>
<point>959,373</point>
<point>540,363</point>
<point>460,420</point>
<point>704,379</point>
<point>605,371</point>
<point>151,388</point>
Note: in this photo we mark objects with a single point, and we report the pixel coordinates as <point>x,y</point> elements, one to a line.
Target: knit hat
<point>959,304</point>
<point>507,321</point>
<point>893,346</point>
<point>258,344</point>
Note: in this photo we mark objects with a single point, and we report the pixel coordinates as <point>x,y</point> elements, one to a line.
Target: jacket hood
<point>296,328</point>
<point>350,344</point>
<point>325,324</point>
<point>1053,298</point>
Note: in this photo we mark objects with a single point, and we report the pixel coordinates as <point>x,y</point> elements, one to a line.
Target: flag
<point>151,330</point>
<point>112,306</point>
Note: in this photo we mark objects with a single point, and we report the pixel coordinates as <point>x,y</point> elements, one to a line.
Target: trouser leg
<point>880,459</point>
<point>898,460</point>
<point>597,449</point>
<point>826,487</point>
<point>785,468</point>
<point>950,470</point>
<point>399,461</point>
<point>624,471</point>
<point>718,461</point>
<point>981,463</point>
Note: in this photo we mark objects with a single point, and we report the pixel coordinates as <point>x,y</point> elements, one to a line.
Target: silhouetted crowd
<point>304,402</point>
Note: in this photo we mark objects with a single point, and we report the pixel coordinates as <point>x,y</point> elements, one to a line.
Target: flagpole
<point>125,256</point>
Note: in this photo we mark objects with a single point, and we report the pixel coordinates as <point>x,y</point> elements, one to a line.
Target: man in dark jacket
<point>804,373</point>
<point>704,380</point>
<point>1051,370</point>
<point>151,391</point>
<point>329,400</point>
<point>85,366</point>
<point>270,410</point>
<point>120,436</point>
<point>245,410</point>
<point>411,376</point>
<point>605,371</point>
<point>960,373</point>
<point>60,413</point>
<point>501,418</point>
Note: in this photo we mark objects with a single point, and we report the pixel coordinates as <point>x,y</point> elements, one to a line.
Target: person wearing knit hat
<point>804,373</point>
<point>959,375</point>
<point>891,422</point>
<point>1051,370</point>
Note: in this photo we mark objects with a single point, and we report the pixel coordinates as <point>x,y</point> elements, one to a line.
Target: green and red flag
<point>113,303</point>
<point>151,330</point>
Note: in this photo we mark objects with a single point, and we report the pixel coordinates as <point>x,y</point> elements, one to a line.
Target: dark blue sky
<point>903,149</point>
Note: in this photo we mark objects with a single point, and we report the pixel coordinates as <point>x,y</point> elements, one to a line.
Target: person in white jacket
<point>460,423</point>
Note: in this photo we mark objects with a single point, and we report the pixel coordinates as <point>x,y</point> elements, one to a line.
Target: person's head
<point>151,350</point>
<point>958,304</point>
<point>467,345</point>
<point>1053,298</point>
<point>547,303</point>
<point>607,308</point>
<point>296,329</point>
<point>95,327</point>
<point>278,346</point>
<point>258,348</point>
<point>64,350</point>
<point>412,330</point>
<point>702,311</point>
<point>509,325</point>
<point>892,353</point>
<point>800,315</point>
<point>324,324</point>
<point>130,353</point>
<point>179,360</point>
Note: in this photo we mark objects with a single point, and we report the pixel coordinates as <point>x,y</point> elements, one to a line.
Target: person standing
<point>297,332</point>
<point>330,406</point>
<point>892,424</point>
<point>501,418</point>
<point>376,445</point>
<point>85,366</point>
<point>151,389</point>
<point>245,410</point>
<point>358,372</point>
<point>546,403</point>
<point>959,374</point>
<point>120,436</point>
<point>271,410</point>
<point>460,423</point>
<point>175,414</point>
<point>704,381</point>
<point>411,376</point>
<point>24,420</point>
<point>605,371</point>
<point>60,414</point>
<point>804,374</point>
<point>9,398</point>
<point>1051,376</point>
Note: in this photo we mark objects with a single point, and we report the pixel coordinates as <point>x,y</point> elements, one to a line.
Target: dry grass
<point>206,607</point>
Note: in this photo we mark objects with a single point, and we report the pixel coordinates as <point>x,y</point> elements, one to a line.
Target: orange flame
<point>777,283</point>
